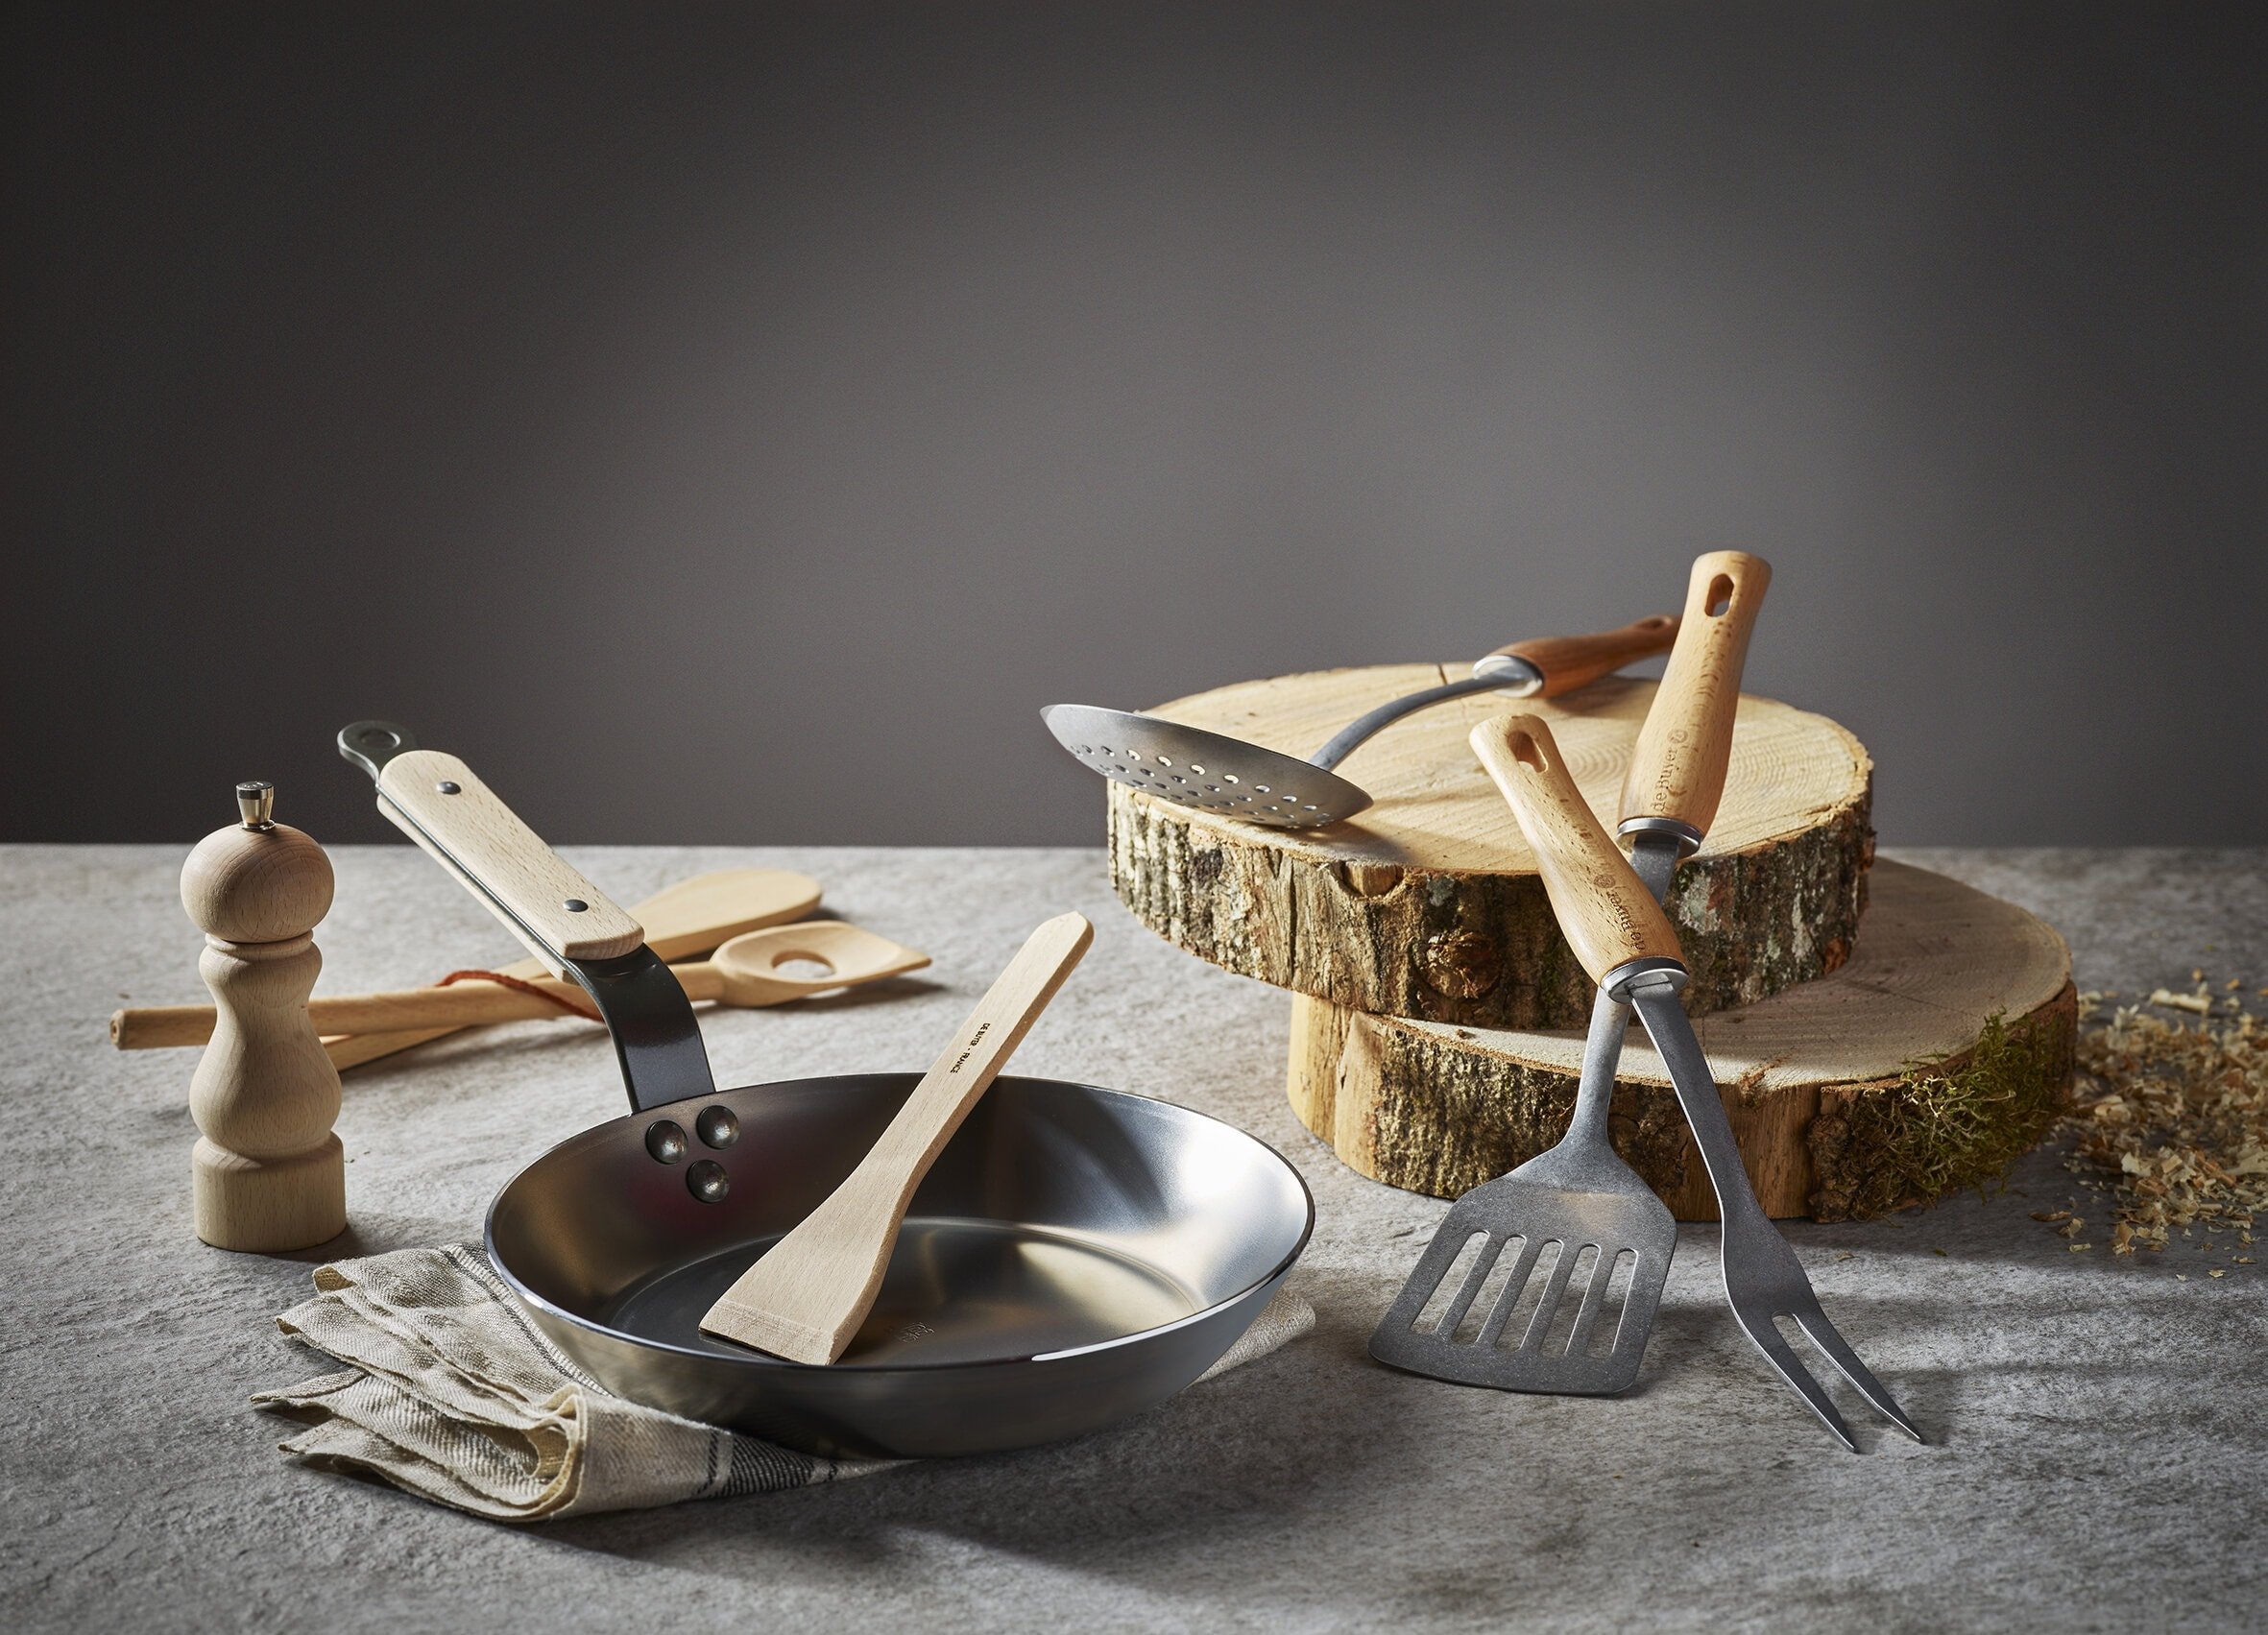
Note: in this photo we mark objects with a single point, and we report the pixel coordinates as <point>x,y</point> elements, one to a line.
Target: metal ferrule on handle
<point>1653,975</point>
<point>564,920</point>
<point>1686,838</point>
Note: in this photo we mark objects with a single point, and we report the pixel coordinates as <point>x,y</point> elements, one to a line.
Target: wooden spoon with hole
<point>745,972</point>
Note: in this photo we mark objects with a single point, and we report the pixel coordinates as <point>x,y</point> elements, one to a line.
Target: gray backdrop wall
<point>731,423</point>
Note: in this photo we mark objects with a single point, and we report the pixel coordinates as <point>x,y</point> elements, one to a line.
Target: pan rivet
<point>575,906</point>
<point>707,1181</point>
<point>449,789</point>
<point>717,1127</point>
<point>665,1141</point>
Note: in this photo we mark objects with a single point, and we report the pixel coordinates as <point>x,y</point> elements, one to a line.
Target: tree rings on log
<point>1427,905</point>
<point>1941,1051</point>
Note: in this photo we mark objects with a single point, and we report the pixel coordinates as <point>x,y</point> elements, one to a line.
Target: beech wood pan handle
<point>1678,768</point>
<point>435,799</point>
<point>1568,661</point>
<point>1609,915</point>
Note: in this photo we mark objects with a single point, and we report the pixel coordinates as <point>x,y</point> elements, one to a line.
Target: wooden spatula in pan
<point>807,1294</point>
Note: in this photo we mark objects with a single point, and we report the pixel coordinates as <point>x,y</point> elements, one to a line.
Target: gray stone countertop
<point>2099,1457</point>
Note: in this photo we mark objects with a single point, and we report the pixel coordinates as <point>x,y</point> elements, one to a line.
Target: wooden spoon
<point>807,1294</point>
<point>744,972</point>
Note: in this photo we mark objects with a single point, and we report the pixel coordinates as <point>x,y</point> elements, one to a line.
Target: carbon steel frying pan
<point>1077,1255</point>
<point>1213,772</point>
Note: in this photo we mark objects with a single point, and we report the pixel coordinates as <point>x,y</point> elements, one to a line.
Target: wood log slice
<point>1427,905</point>
<point>1939,1052</point>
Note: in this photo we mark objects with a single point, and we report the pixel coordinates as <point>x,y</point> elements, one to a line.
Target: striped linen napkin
<point>450,1393</point>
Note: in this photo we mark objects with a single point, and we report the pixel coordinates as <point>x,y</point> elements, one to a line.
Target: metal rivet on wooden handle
<point>1608,916</point>
<point>473,833</point>
<point>1678,768</point>
<point>1568,661</point>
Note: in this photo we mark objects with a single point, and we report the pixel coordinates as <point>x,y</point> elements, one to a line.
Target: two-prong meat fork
<point>1623,939</point>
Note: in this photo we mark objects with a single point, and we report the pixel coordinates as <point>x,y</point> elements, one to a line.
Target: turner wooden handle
<point>1604,909</point>
<point>1568,661</point>
<point>807,1295</point>
<point>1677,769</point>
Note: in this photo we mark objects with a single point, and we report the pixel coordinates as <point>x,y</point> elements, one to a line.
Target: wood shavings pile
<point>2177,1135</point>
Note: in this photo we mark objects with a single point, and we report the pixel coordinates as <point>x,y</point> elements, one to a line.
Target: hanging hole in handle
<point>1720,599</point>
<point>1526,750</point>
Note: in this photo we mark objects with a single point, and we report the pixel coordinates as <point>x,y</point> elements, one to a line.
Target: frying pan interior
<point>1076,1255</point>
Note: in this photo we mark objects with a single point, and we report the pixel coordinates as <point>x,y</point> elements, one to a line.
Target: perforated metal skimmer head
<point>1208,772</point>
<point>1212,772</point>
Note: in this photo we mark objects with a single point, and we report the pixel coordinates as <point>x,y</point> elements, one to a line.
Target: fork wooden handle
<point>1678,768</point>
<point>1568,661</point>
<point>1604,909</point>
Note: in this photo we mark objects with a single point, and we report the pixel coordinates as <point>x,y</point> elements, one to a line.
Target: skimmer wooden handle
<point>1677,769</point>
<point>1609,915</point>
<point>1568,661</point>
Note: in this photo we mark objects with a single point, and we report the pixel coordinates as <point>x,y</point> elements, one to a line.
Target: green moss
<point>1958,1121</point>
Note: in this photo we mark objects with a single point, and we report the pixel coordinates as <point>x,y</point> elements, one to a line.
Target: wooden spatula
<point>807,1295</point>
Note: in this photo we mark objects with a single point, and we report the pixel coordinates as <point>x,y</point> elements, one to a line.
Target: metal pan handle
<point>564,920</point>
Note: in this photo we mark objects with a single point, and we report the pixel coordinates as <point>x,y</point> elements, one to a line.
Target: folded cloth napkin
<point>451,1393</point>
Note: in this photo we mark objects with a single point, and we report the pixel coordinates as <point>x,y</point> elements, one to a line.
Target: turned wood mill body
<point>269,1173</point>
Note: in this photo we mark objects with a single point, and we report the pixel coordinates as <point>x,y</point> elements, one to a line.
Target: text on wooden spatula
<point>807,1295</point>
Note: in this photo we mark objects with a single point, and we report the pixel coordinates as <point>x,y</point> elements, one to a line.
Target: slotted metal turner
<point>1572,1225</point>
<point>1578,1222</point>
<point>1214,773</point>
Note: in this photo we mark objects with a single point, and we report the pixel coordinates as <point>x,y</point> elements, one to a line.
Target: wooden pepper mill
<point>270,1175</point>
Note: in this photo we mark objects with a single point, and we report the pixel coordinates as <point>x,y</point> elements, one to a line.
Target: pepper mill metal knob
<point>269,1173</point>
